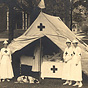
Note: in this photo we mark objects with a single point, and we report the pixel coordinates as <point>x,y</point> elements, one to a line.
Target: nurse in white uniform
<point>76,70</point>
<point>6,71</point>
<point>67,56</point>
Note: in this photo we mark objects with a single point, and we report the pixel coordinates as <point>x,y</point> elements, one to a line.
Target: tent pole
<point>71,13</point>
<point>40,58</point>
<point>20,68</point>
<point>41,10</point>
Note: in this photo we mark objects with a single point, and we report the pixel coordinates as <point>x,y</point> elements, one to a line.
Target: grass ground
<point>46,83</point>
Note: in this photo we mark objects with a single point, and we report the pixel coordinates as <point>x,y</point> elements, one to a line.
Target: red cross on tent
<point>41,27</point>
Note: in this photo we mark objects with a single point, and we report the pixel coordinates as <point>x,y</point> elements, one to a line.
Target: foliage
<point>78,17</point>
<point>55,7</point>
<point>85,29</point>
<point>81,2</point>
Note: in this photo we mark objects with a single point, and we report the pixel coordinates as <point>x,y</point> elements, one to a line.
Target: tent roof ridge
<point>49,15</point>
<point>56,29</point>
<point>31,25</point>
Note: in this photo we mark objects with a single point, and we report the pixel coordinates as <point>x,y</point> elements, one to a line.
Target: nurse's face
<point>5,45</point>
<point>75,44</point>
<point>68,44</point>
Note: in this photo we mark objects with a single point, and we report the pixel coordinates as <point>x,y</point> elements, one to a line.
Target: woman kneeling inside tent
<point>6,71</point>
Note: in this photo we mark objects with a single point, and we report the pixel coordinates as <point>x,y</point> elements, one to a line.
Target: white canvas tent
<point>51,27</point>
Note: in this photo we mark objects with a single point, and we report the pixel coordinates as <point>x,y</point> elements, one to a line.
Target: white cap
<point>74,41</point>
<point>68,41</point>
<point>5,42</point>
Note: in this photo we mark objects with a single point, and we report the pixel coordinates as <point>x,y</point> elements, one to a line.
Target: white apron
<point>6,66</point>
<point>76,71</point>
<point>67,56</point>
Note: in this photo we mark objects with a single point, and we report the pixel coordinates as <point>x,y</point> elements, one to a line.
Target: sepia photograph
<point>43,43</point>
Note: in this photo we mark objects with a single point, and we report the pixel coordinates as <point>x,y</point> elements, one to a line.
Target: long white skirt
<point>76,71</point>
<point>66,73</point>
<point>6,68</point>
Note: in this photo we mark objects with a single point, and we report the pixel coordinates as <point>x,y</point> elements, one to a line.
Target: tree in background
<point>80,13</point>
<point>85,26</point>
<point>85,29</point>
